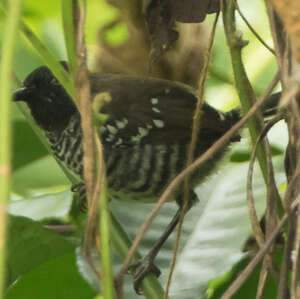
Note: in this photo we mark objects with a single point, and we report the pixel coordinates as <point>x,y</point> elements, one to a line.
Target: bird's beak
<point>21,94</point>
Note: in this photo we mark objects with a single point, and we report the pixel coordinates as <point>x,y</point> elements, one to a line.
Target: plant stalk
<point>7,51</point>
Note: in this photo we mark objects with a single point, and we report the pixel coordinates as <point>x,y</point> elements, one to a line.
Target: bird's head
<point>50,104</point>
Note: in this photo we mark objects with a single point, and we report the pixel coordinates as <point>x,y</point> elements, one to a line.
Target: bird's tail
<point>268,109</point>
<point>270,106</point>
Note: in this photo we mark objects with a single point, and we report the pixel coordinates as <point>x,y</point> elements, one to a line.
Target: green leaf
<point>55,205</point>
<point>26,146</point>
<point>57,278</point>
<point>220,232</point>
<point>248,290</point>
<point>29,245</point>
<point>36,177</point>
<point>41,9</point>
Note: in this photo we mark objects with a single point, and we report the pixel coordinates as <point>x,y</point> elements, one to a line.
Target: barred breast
<point>141,172</point>
<point>138,171</point>
<point>67,146</point>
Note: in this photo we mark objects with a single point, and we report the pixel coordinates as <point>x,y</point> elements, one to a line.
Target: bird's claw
<point>140,270</point>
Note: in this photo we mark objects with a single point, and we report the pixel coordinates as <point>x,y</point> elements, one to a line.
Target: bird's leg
<point>146,265</point>
<point>81,190</point>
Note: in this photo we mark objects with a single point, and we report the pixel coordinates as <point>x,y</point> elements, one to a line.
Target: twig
<point>296,260</point>
<point>252,29</point>
<point>259,235</point>
<point>82,88</point>
<point>194,138</point>
<point>262,280</point>
<point>292,188</point>
<point>190,169</point>
<point>82,95</point>
<point>291,192</point>
<point>91,228</point>
<point>272,194</point>
<point>62,229</point>
<point>295,267</point>
<point>92,149</point>
<point>274,204</point>
<point>282,290</point>
<point>243,276</point>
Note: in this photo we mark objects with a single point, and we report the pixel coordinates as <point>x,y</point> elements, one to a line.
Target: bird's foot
<point>81,190</point>
<point>140,270</point>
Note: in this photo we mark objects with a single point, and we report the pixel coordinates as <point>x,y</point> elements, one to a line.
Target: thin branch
<point>243,276</point>
<point>252,29</point>
<point>293,189</point>
<point>282,290</point>
<point>92,148</point>
<point>274,204</point>
<point>82,89</point>
<point>62,229</point>
<point>262,280</point>
<point>296,260</point>
<point>295,268</point>
<point>259,235</point>
<point>82,96</point>
<point>293,174</point>
<point>272,193</point>
<point>194,138</point>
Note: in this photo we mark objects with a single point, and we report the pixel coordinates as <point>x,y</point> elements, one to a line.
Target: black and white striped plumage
<point>145,137</point>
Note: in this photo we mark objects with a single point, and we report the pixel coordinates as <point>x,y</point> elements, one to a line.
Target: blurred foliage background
<point>43,264</point>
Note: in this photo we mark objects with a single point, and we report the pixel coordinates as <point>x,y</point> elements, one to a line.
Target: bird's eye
<point>54,81</point>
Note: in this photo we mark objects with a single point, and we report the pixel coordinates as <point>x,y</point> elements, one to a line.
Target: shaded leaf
<point>29,245</point>
<point>248,290</point>
<point>26,145</point>
<point>57,278</point>
<point>37,176</point>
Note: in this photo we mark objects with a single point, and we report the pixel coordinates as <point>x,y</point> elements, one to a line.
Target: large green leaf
<point>221,230</point>
<point>29,245</point>
<point>57,278</point>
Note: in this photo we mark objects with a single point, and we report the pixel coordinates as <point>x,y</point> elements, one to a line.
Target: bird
<point>145,137</point>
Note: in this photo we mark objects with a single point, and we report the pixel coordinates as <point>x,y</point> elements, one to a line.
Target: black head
<point>50,104</point>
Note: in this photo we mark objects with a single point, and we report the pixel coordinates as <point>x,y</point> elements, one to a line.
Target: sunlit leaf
<point>55,205</point>
<point>219,234</point>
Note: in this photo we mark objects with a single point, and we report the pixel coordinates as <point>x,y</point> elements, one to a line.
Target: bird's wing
<point>150,110</point>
